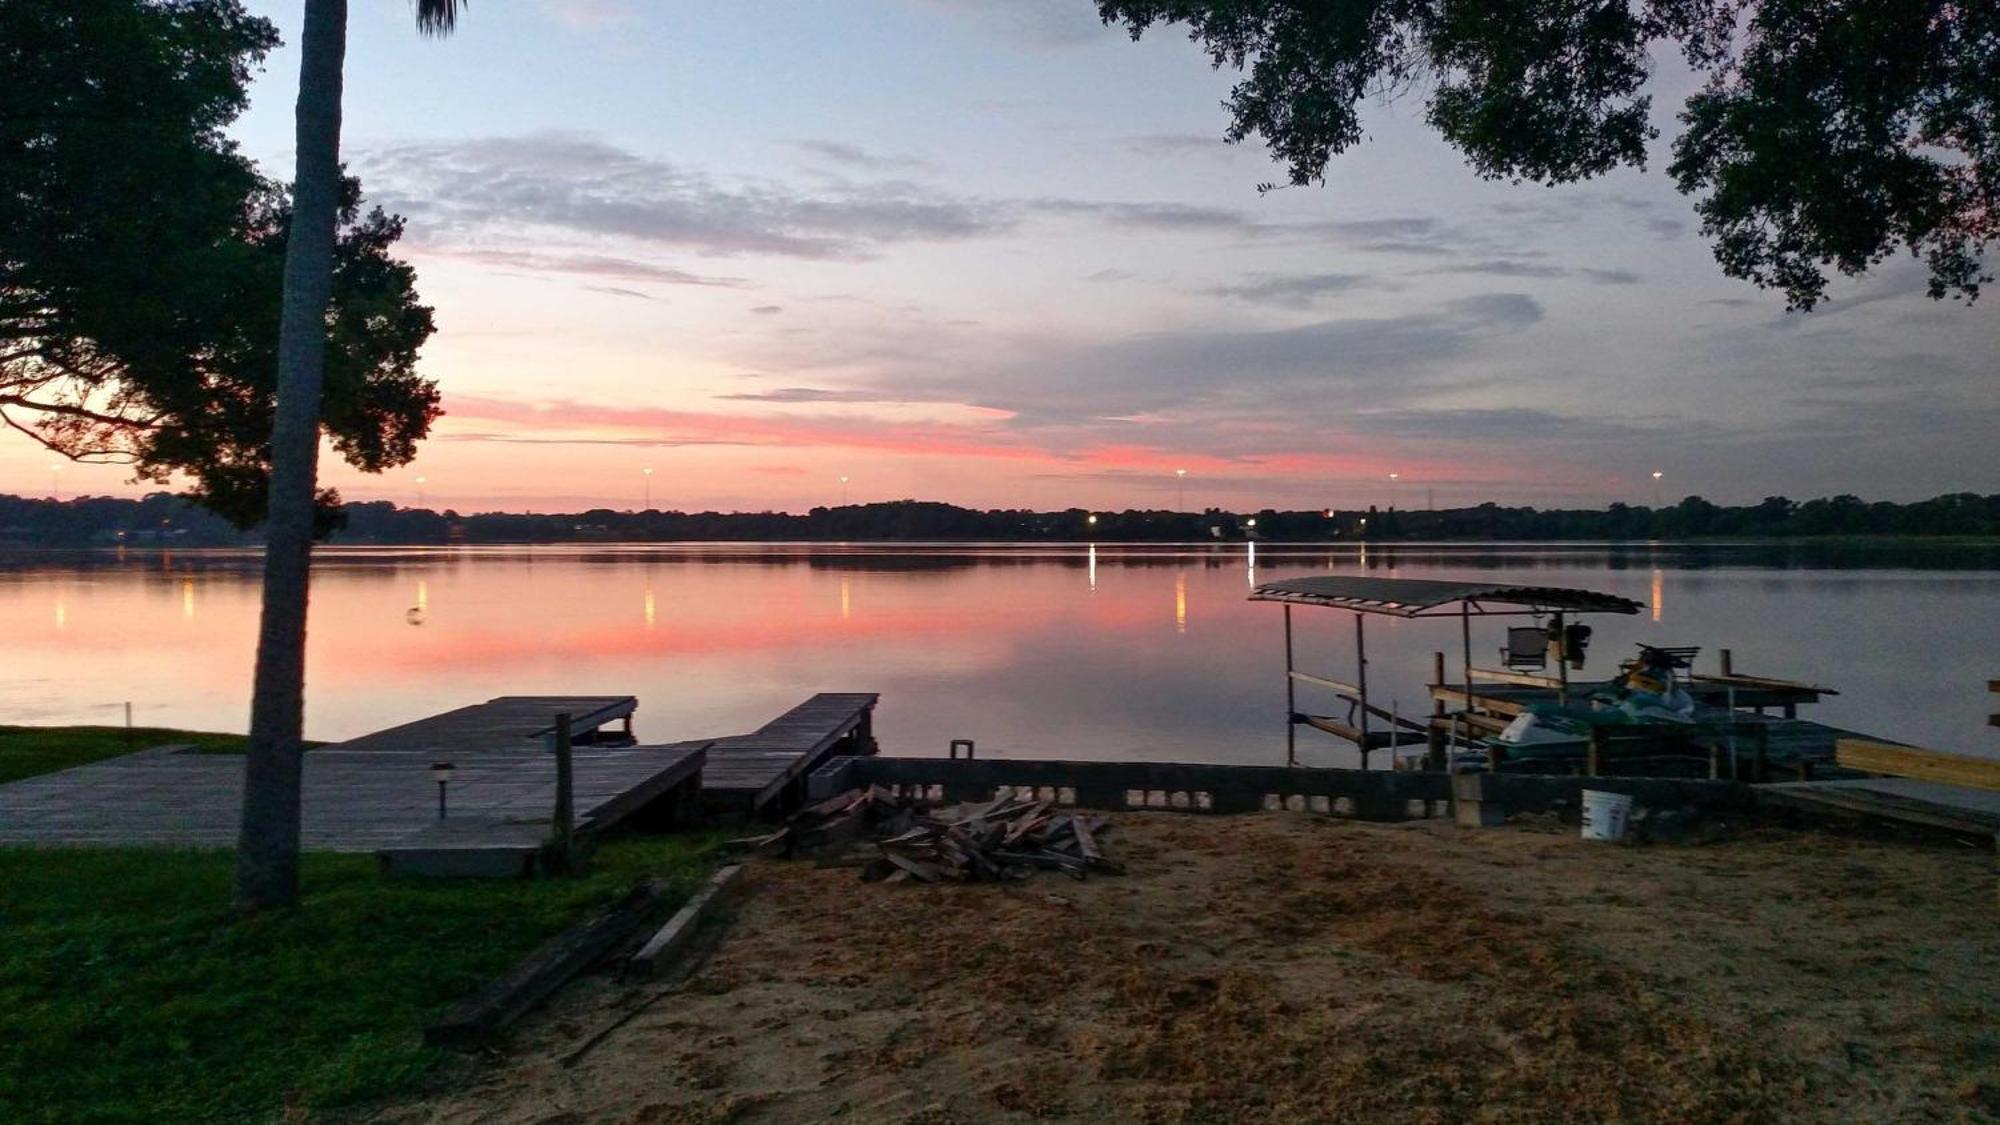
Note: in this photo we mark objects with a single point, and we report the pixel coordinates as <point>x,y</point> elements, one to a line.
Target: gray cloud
<point>768,310</point>
<point>1109,275</point>
<point>1033,23</point>
<point>589,265</point>
<point>616,291</point>
<point>580,185</point>
<point>806,394</point>
<point>1262,372</point>
<point>854,156</point>
<point>1504,267</point>
<point>1178,144</point>
<point>1611,277</point>
<point>1294,290</point>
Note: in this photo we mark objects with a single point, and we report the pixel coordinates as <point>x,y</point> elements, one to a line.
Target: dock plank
<point>508,722</point>
<point>749,773</point>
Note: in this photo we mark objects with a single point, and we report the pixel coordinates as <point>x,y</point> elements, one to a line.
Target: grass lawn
<point>27,751</point>
<point>129,993</point>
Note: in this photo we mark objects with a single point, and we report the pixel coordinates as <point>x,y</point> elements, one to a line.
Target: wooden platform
<point>1972,812</point>
<point>762,772</point>
<point>352,801</point>
<point>510,722</point>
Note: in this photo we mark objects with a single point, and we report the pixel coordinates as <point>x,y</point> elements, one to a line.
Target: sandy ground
<point>1287,967</point>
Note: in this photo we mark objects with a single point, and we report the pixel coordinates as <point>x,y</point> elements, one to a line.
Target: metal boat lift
<point>1408,598</point>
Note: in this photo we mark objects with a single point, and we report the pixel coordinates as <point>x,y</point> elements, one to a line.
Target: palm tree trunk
<point>267,847</point>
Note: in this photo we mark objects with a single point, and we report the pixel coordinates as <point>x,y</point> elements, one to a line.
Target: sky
<point>996,254</point>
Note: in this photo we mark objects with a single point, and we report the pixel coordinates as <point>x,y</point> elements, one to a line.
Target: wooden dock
<point>351,801</point>
<point>510,722</point>
<point>763,771</point>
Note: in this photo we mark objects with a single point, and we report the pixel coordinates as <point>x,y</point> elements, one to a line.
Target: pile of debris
<point>895,839</point>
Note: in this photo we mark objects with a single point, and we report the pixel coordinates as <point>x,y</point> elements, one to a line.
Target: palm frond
<point>438,17</point>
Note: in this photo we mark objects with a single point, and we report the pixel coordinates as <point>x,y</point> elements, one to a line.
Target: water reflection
<point>994,643</point>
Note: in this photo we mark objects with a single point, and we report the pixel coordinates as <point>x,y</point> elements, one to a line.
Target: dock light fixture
<point>441,773</point>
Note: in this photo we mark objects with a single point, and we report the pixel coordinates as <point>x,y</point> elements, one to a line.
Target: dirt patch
<point>1285,967</point>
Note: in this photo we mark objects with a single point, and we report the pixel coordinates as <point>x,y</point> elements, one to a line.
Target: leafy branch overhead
<point>1828,136</point>
<point>142,258</point>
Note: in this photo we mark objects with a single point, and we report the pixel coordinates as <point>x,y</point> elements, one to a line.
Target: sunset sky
<point>996,254</point>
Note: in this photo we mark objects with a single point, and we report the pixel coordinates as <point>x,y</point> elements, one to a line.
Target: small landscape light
<point>441,773</point>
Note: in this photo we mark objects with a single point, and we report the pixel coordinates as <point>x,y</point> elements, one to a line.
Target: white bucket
<point>1605,814</point>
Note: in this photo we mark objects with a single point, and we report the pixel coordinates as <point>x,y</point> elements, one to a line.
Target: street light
<point>1656,487</point>
<point>441,773</point>
<point>843,491</point>
<point>1092,519</point>
<point>1180,485</point>
<point>649,488</point>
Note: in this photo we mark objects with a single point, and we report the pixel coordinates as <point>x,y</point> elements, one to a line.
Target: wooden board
<point>1972,812</point>
<point>509,722</point>
<point>746,773</point>
<point>1923,765</point>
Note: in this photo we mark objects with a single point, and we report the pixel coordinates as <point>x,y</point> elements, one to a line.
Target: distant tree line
<point>165,519</point>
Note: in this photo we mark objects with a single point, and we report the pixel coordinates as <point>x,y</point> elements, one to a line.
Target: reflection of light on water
<point>1093,566</point>
<point>1251,569</point>
<point>1364,556</point>
<point>846,603</point>
<point>1180,603</point>
<point>423,595</point>
<point>1659,590</point>
<point>187,598</point>
<point>649,607</point>
<point>62,614</point>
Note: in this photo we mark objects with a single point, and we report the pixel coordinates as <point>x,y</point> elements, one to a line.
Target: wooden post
<point>1760,737</point>
<point>1728,663</point>
<point>1562,663</point>
<point>1436,757</point>
<point>1465,635</point>
<point>1594,760</point>
<point>1714,760</point>
<point>1361,681</point>
<point>1291,697</point>
<point>565,792</point>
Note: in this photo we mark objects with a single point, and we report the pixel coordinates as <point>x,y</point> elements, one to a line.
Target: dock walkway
<point>764,771</point>
<point>508,722</point>
<point>352,801</point>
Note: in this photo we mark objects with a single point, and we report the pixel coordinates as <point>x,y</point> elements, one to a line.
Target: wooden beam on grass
<point>1918,764</point>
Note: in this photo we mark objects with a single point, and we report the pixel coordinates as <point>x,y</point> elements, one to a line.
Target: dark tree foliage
<point>141,258</point>
<point>1829,136</point>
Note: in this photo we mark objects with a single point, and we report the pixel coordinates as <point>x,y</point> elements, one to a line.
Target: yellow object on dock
<point>1923,765</point>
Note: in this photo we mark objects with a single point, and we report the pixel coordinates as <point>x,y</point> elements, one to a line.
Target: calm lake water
<point>1044,651</point>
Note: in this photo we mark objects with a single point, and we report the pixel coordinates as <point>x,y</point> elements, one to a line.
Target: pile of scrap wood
<point>895,839</point>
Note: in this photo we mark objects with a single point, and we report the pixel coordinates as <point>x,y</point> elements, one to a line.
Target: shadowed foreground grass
<point>129,993</point>
<point>28,751</point>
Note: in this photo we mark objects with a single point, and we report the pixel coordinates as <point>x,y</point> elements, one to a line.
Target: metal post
<point>1361,681</point>
<point>441,786</point>
<point>1291,703</point>
<point>565,791</point>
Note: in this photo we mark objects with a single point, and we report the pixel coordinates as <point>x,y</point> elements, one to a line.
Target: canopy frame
<point>1413,598</point>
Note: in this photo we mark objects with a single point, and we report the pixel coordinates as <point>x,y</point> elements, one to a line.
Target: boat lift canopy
<point>1407,598</point>
<point>1425,597</point>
